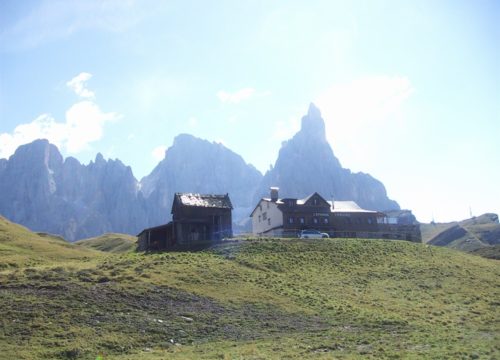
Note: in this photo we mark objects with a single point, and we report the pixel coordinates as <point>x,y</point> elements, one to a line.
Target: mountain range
<point>45,192</point>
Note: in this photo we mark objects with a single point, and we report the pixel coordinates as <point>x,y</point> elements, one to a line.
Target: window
<point>259,218</point>
<point>301,220</point>
<point>269,221</point>
<point>325,220</point>
<point>290,220</point>
<point>315,201</point>
<point>315,220</point>
<point>264,216</point>
<point>267,205</point>
<point>370,221</point>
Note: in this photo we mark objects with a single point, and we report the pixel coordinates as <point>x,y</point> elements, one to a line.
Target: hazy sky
<point>409,90</point>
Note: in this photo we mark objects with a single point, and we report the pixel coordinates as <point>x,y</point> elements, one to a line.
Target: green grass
<point>20,247</point>
<point>469,235</point>
<point>256,299</point>
<point>110,242</point>
<point>490,252</point>
<point>429,231</point>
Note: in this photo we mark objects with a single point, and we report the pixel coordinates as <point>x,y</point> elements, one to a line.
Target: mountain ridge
<point>306,164</point>
<point>41,189</point>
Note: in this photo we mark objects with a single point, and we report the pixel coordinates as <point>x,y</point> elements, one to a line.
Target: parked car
<point>312,234</point>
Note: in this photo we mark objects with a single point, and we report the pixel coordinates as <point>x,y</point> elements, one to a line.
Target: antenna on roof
<point>470,212</point>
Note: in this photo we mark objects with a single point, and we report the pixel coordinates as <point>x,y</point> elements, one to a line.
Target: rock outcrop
<point>306,163</point>
<point>195,165</point>
<point>42,191</point>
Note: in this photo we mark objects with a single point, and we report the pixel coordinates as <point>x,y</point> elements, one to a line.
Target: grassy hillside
<point>20,247</point>
<point>430,231</point>
<point>490,252</point>
<point>110,242</point>
<point>467,235</point>
<point>256,299</point>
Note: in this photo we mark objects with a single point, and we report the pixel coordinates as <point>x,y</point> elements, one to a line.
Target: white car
<point>312,234</point>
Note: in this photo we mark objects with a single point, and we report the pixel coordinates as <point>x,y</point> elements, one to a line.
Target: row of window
<point>319,220</point>
<point>359,221</point>
<point>315,220</point>
<point>325,220</point>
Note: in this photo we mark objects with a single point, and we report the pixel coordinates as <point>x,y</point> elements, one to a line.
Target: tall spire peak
<point>313,111</point>
<point>313,124</point>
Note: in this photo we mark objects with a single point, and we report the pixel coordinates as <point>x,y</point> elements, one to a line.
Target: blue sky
<point>409,90</point>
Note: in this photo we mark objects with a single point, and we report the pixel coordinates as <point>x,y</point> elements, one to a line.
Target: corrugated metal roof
<point>205,200</point>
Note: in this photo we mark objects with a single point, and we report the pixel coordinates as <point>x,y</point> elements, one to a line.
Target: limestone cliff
<point>306,163</point>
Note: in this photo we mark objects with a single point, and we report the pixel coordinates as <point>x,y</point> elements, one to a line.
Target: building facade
<point>286,217</point>
<point>196,219</point>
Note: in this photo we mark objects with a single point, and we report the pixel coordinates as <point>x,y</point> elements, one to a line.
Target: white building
<point>287,216</point>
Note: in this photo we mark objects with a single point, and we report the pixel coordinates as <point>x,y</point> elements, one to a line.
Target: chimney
<point>274,193</point>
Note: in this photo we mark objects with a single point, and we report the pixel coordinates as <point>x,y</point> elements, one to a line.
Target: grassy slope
<point>490,252</point>
<point>256,299</point>
<point>110,242</point>
<point>478,232</point>
<point>20,247</point>
<point>430,231</point>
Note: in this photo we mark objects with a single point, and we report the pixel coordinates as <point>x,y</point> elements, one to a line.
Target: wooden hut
<point>196,219</point>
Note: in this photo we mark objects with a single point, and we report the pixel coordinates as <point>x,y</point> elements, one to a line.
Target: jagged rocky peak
<point>39,151</point>
<point>313,125</point>
<point>186,140</point>
<point>99,159</point>
<point>307,164</point>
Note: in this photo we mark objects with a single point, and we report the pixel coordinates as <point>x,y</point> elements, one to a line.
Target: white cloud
<point>77,84</point>
<point>84,124</point>
<point>44,126</point>
<point>158,152</point>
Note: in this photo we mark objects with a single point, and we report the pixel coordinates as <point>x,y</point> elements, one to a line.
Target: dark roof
<point>156,228</point>
<point>204,200</point>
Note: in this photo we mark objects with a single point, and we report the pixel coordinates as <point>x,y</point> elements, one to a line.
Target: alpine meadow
<point>249,180</point>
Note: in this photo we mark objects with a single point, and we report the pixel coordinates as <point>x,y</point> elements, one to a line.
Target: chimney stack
<point>274,193</point>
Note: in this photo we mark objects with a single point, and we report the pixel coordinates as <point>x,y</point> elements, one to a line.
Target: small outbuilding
<point>196,219</point>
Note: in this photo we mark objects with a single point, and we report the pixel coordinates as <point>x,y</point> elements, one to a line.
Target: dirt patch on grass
<point>117,320</point>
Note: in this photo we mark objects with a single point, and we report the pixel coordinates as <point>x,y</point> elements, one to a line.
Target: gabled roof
<point>335,206</point>
<point>307,199</point>
<point>204,200</point>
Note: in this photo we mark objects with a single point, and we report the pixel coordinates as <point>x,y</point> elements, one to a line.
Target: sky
<point>409,90</point>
